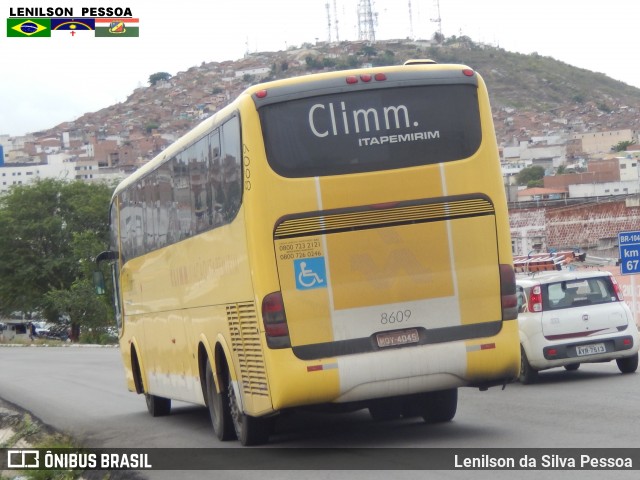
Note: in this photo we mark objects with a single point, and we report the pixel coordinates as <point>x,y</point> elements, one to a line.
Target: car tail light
<point>508,292</point>
<point>274,319</point>
<point>617,289</point>
<point>535,299</point>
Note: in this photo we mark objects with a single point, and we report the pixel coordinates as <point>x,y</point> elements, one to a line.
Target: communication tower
<point>335,20</point>
<point>410,21</point>
<point>328,22</point>
<point>366,28</point>
<point>438,19</point>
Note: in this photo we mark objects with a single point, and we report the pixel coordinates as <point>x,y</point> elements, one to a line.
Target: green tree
<point>81,306</point>
<point>369,51</point>
<point>248,78</point>
<point>50,231</point>
<point>150,127</point>
<point>621,146</point>
<point>530,176</point>
<point>156,77</point>
<point>312,63</point>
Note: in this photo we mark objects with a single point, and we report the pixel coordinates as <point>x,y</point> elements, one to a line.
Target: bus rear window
<point>378,129</point>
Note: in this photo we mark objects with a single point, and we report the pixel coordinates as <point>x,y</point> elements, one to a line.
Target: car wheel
<point>528,374</point>
<point>628,364</point>
<point>572,367</point>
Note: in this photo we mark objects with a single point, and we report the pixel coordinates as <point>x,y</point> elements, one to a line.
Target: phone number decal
<point>300,249</point>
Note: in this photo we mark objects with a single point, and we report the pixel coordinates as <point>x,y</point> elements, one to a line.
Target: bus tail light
<point>535,299</point>
<point>508,292</point>
<point>366,78</point>
<point>275,321</point>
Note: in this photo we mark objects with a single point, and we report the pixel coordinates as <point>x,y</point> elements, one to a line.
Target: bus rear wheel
<point>158,406</point>
<point>249,430</point>
<point>434,407</point>
<point>440,406</point>
<point>219,410</point>
<point>385,409</point>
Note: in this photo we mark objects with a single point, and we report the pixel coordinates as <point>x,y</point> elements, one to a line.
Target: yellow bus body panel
<point>207,291</point>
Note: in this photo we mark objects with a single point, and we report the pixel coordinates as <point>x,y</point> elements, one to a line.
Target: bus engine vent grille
<point>245,341</point>
<point>401,213</point>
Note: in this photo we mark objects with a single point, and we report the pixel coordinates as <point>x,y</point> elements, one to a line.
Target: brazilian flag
<point>28,27</point>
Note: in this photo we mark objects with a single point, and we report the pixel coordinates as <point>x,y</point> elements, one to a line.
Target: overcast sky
<point>46,81</point>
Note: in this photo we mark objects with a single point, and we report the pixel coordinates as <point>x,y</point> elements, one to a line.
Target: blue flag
<point>73,24</point>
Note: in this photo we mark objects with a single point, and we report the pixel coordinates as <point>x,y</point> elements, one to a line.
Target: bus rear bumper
<point>399,371</point>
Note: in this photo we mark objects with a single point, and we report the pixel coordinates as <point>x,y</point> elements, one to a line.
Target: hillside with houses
<point>547,114</point>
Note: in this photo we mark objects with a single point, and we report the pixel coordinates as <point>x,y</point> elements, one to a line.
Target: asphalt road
<point>81,391</point>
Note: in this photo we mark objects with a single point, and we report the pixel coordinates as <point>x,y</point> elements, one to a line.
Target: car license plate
<point>590,349</point>
<point>399,337</point>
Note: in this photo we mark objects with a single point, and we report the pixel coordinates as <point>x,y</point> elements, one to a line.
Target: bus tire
<point>249,430</point>
<point>528,374</point>
<point>219,411</point>
<point>440,406</point>
<point>385,409</point>
<point>158,406</point>
<point>628,364</point>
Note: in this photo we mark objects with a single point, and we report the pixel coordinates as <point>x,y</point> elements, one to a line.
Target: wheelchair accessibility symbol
<point>310,273</point>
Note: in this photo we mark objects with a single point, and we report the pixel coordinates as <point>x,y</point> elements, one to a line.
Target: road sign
<point>629,245</point>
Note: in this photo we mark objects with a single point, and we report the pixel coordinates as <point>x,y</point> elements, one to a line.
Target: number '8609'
<point>395,317</point>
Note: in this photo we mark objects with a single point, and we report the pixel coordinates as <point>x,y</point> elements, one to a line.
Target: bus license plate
<point>590,349</point>
<point>399,337</point>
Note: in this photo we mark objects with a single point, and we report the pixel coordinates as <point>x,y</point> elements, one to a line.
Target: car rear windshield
<point>575,293</point>
<point>369,130</point>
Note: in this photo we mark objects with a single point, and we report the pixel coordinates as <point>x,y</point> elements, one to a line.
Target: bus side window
<point>182,195</point>
<point>126,216</point>
<point>231,170</point>
<point>215,181</point>
<point>165,205</point>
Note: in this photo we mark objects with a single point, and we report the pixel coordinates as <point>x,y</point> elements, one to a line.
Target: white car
<point>571,317</point>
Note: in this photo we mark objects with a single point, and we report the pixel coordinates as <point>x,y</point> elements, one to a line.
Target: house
<point>538,193</point>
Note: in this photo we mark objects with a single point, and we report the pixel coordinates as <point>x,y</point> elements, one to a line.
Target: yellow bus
<point>334,240</point>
